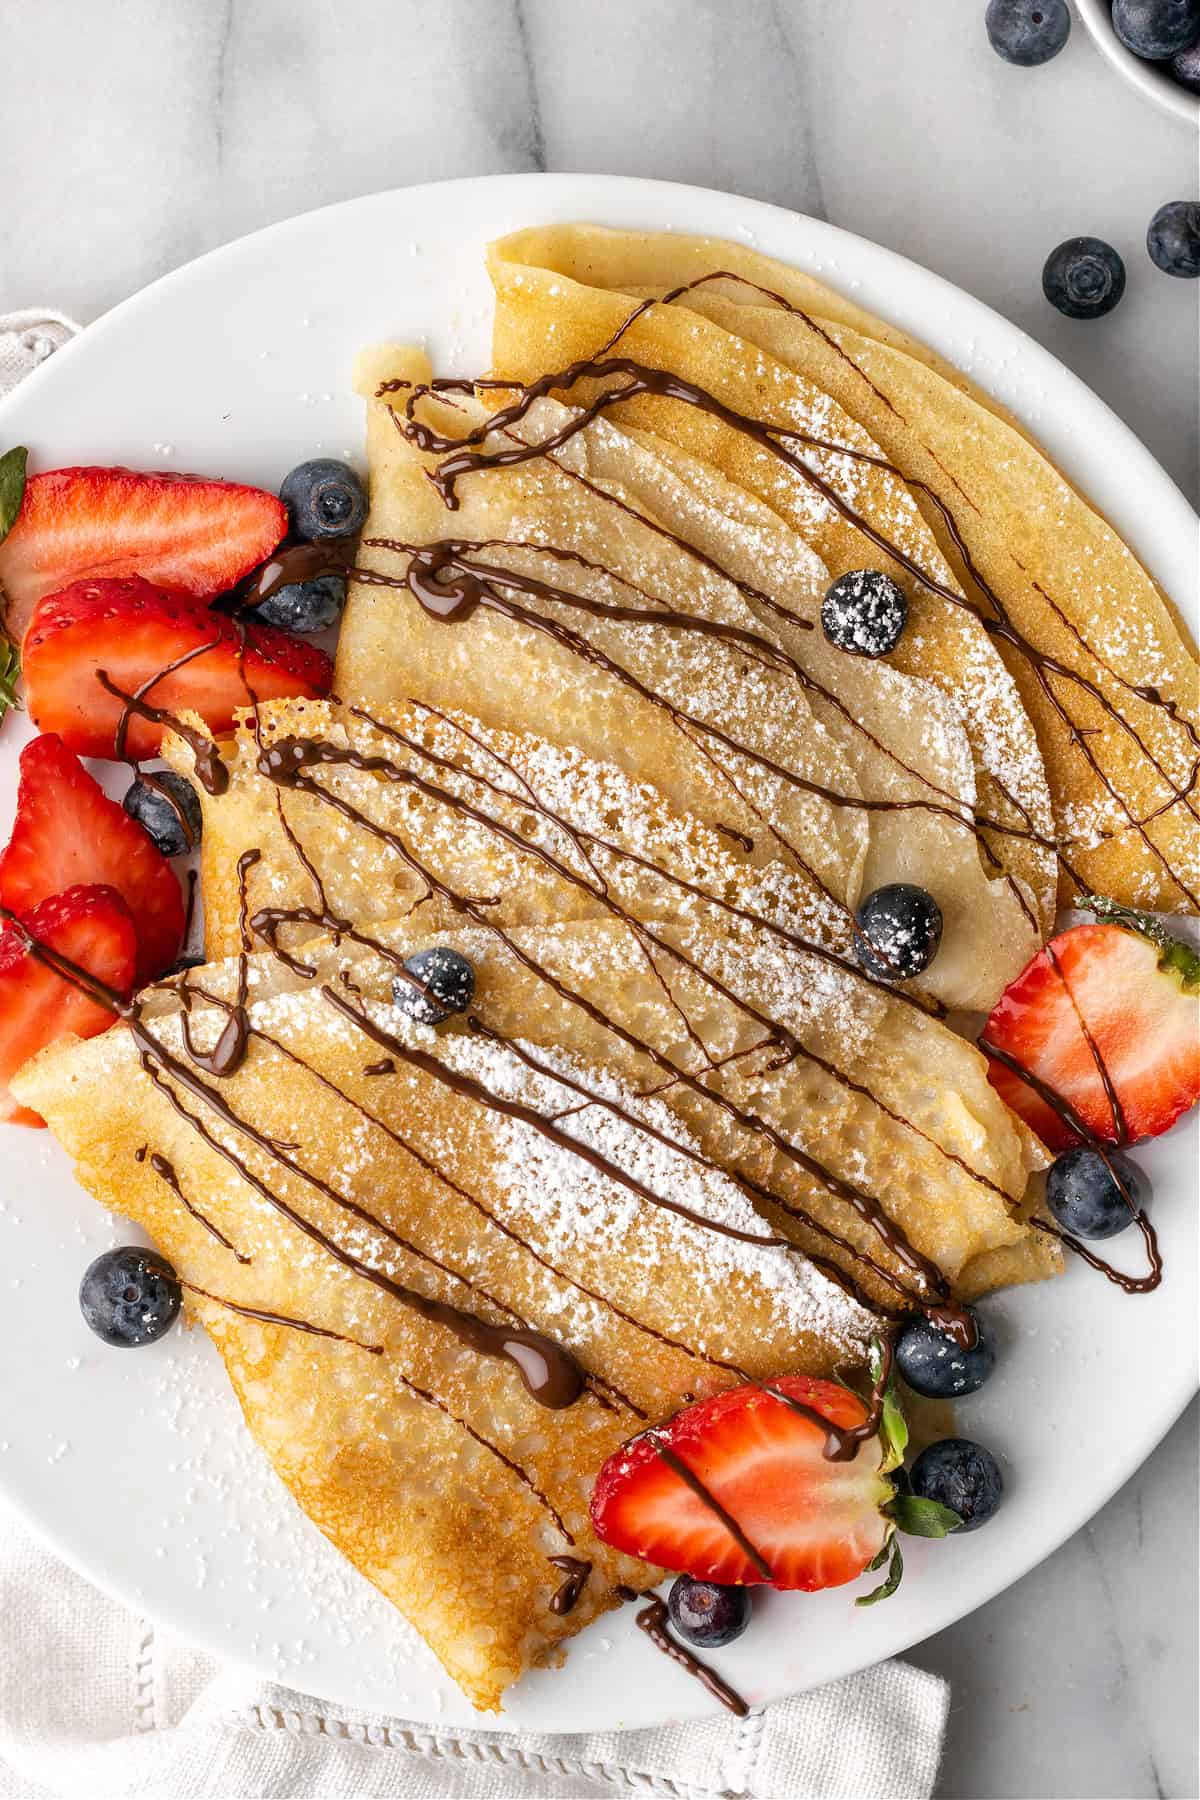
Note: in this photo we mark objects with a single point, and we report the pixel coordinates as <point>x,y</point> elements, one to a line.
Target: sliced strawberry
<point>187,534</point>
<point>134,633</point>
<point>817,1523</point>
<point>91,927</point>
<point>1135,999</point>
<point>68,831</point>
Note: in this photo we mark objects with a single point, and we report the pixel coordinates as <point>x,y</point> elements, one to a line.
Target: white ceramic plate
<point>138,1469</point>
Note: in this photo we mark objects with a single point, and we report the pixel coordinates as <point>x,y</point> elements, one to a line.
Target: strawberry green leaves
<point>922,1518</point>
<point>893,1426</point>
<point>919,1518</point>
<point>906,1512</point>
<point>10,670</point>
<point>891,1555</point>
<point>12,492</point>
<point>12,487</point>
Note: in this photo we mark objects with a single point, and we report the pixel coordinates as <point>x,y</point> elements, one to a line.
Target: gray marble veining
<point>133,138</point>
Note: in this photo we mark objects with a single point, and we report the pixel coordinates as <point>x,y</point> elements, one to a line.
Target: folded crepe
<point>522,1170</point>
<point>426,1462</point>
<point>1101,659</point>
<point>709,965</point>
<point>712,680</point>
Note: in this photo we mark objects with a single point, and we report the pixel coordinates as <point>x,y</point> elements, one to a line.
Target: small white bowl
<point>1151,79</point>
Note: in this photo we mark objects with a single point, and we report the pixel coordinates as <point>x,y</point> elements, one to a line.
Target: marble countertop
<point>134,138</point>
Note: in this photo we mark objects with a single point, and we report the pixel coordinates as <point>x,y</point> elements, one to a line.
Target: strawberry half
<point>1131,989</point>
<point>187,534</point>
<point>133,632</point>
<point>91,927</point>
<point>68,831</point>
<point>816,1523</point>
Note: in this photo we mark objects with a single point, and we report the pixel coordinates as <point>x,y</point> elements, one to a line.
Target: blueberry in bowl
<point>1185,66</point>
<point>1156,30</point>
<point>130,1296</point>
<point>1123,30</point>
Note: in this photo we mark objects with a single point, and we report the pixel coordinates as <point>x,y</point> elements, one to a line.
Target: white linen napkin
<point>97,1702</point>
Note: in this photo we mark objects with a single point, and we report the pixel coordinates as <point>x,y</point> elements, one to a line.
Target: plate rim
<point>601,197</point>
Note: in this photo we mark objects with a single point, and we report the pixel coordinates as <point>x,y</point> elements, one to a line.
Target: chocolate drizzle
<point>1062,1108</point>
<point>229,1052</point>
<point>166,1172</point>
<point>152,779</point>
<point>211,771</point>
<point>576,1572</point>
<point>157,1062</point>
<point>653,1621</point>
<point>707,1498</point>
<point>460,457</point>
<point>547,1371</point>
<point>285,762</point>
<point>293,563</point>
<point>450,585</point>
<point>842,1441</point>
<point>273,1318</point>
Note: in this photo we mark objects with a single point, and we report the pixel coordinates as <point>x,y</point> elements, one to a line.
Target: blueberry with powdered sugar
<point>900,929</point>
<point>130,1296</point>
<point>444,983</point>
<point>864,613</point>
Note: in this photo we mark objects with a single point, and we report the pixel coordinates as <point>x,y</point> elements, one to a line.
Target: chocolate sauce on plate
<point>653,1620</point>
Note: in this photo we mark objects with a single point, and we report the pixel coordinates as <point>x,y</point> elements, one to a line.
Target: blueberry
<point>1156,29</point>
<point>934,1365</point>
<point>449,985</point>
<point>1173,239</point>
<point>1028,32</point>
<point>325,500</point>
<point>130,1296</point>
<point>904,924</point>
<point>166,806</point>
<point>1084,1196</point>
<point>706,1613</point>
<point>963,1476</point>
<point>1185,66</point>
<point>864,612</point>
<point>1084,278</point>
<point>304,606</point>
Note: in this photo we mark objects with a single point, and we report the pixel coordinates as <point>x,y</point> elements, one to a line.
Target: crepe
<point>885,746</point>
<point>419,1497</point>
<point>1088,638</point>
<point>704,959</point>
